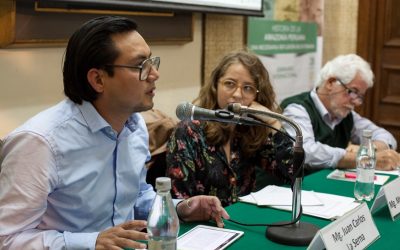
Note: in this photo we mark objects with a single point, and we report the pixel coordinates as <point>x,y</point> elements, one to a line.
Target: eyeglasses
<point>352,93</point>
<point>248,91</point>
<point>145,67</point>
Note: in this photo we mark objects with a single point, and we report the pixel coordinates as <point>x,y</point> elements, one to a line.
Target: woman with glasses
<point>212,158</point>
<point>332,129</point>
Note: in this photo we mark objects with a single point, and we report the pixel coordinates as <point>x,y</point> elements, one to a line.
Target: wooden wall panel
<point>27,26</point>
<point>222,34</point>
<point>7,22</point>
<point>379,42</point>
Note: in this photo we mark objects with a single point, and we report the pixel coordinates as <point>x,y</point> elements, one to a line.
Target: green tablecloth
<point>254,237</point>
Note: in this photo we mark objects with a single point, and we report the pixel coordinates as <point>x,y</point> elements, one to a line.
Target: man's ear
<point>330,83</point>
<point>95,79</point>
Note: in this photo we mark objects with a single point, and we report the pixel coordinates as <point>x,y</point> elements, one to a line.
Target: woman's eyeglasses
<point>248,91</point>
<point>144,68</point>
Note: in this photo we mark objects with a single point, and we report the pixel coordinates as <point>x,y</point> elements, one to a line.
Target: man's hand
<point>380,145</point>
<point>202,208</point>
<point>387,160</point>
<point>123,236</point>
<point>352,148</point>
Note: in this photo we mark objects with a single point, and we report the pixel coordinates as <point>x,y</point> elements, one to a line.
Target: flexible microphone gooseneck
<point>298,233</point>
<point>188,111</point>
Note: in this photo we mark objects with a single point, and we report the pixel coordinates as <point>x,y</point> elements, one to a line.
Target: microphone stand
<point>298,233</point>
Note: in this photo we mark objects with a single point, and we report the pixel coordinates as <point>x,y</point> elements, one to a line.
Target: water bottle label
<point>365,176</point>
<point>364,186</point>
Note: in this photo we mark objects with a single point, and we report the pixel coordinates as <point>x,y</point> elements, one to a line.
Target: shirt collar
<point>96,122</point>
<point>133,121</point>
<point>92,118</point>
<point>321,108</point>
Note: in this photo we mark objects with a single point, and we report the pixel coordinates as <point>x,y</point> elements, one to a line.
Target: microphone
<point>188,111</point>
<point>300,233</point>
<point>237,108</point>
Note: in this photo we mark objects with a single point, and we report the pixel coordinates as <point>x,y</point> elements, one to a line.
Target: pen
<point>227,241</point>
<point>351,175</point>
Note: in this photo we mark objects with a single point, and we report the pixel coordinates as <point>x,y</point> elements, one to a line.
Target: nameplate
<point>389,195</point>
<point>354,230</point>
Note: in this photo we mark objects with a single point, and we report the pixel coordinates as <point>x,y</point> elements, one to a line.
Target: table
<point>254,236</point>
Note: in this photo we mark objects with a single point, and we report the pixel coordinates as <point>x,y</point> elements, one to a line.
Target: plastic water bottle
<point>366,161</point>
<point>163,222</point>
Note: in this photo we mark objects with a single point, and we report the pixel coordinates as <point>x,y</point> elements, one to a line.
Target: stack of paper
<point>327,206</point>
<point>281,196</point>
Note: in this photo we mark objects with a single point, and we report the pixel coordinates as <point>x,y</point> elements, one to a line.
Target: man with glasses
<point>332,130</point>
<point>73,176</point>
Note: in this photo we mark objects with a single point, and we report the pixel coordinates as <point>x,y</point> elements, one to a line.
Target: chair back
<point>160,127</point>
<point>1,157</point>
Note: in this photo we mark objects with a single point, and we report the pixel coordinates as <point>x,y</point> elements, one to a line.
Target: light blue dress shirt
<point>66,175</point>
<point>322,155</point>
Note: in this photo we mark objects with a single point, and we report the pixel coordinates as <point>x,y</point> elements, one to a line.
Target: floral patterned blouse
<point>197,168</point>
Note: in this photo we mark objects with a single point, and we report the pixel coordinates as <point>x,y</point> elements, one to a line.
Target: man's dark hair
<point>91,46</point>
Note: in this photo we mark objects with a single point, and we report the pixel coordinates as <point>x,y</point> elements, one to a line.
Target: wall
<point>222,34</point>
<point>340,28</point>
<point>31,78</point>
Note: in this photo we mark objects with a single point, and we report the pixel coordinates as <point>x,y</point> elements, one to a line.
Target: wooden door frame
<point>366,46</point>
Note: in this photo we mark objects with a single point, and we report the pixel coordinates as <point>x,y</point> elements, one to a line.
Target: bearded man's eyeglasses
<point>352,93</point>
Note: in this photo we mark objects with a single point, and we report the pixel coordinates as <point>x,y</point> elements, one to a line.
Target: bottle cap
<point>367,133</point>
<point>163,183</point>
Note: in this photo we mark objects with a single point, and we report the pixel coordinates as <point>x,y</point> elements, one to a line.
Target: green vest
<point>338,137</point>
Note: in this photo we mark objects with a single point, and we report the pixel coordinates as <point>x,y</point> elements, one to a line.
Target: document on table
<point>351,176</point>
<point>280,196</point>
<point>329,206</point>
<point>389,172</point>
<point>207,238</point>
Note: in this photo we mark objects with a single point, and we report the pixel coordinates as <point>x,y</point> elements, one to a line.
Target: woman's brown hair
<point>218,133</point>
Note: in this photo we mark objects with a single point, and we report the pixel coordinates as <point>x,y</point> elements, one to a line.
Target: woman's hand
<point>202,208</point>
<point>266,119</point>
